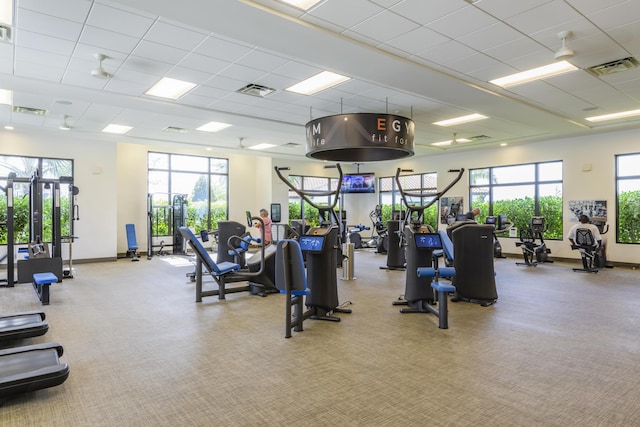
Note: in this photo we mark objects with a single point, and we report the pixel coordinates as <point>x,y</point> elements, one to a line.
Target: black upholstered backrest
<point>290,274</point>
<point>584,237</point>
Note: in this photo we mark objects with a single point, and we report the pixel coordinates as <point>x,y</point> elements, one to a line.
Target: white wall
<point>95,175</point>
<point>113,182</point>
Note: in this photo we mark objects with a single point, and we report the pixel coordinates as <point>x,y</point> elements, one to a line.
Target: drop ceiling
<point>427,60</point>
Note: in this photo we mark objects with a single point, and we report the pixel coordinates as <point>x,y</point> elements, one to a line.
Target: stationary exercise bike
<point>534,253</point>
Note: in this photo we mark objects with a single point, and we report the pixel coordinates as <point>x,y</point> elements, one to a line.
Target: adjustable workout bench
<point>132,242</point>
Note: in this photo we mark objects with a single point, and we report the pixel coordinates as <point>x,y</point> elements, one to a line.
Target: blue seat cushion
<point>45,278</point>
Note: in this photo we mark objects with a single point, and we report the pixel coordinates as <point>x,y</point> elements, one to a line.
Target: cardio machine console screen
<point>313,244</point>
<point>428,241</point>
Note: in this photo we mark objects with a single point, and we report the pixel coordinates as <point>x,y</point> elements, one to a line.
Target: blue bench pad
<point>45,278</point>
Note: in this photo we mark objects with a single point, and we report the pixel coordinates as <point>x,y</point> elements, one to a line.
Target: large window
<point>200,185</point>
<point>48,172</point>
<point>298,208</point>
<point>391,200</point>
<point>520,192</point>
<point>628,198</point>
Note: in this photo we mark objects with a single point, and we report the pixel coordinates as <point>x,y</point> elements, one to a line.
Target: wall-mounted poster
<point>450,207</point>
<point>591,208</point>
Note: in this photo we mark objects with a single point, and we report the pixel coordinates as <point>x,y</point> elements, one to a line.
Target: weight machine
<point>164,221</point>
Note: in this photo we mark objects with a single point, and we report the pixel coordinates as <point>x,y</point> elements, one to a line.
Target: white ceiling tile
<point>448,52</point>
<point>159,52</point>
<point>462,21</point>
<point>620,14</point>
<point>417,40</point>
<point>261,60</point>
<point>114,19</point>
<point>345,13</point>
<point>188,75</point>
<point>105,39</point>
<point>203,63</point>
<point>515,48</point>
<point>490,36</point>
<point>49,25</point>
<point>73,10</point>
<point>589,6</point>
<point>42,59</point>
<point>543,17</point>
<point>384,26</point>
<point>175,36</point>
<point>145,65</point>
<point>425,13</point>
<point>242,73</point>
<point>42,42</point>
<point>503,9</point>
<point>225,50</point>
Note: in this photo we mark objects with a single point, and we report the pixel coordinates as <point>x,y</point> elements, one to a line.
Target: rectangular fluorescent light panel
<point>261,146</point>
<point>213,127</point>
<point>170,88</point>
<point>462,119</point>
<point>554,69</point>
<point>613,116</point>
<point>302,4</point>
<point>441,143</point>
<point>317,83</point>
<point>6,97</point>
<point>119,129</point>
<point>6,12</point>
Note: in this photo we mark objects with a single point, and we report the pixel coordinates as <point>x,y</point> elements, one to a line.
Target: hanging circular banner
<point>360,137</point>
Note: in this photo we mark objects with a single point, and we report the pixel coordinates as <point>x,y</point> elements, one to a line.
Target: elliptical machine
<point>534,253</point>
<point>380,239</point>
<point>418,293</point>
<point>321,259</point>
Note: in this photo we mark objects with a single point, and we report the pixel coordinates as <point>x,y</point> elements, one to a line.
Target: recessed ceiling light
<point>534,74</point>
<point>170,88</point>
<point>213,127</point>
<point>302,4</point>
<point>438,144</point>
<point>119,129</point>
<point>8,127</point>
<point>6,96</point>
<point>261,146</point>
<point>462,119</point>
<point>317,83</point>
<point>613,116</point>
<point>6,12</point>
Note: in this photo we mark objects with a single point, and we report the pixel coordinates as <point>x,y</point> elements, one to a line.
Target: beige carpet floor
<point>559,348</point>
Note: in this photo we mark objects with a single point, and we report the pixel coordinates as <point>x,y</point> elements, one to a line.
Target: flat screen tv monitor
<point>428,241</point>
<point>358,183</point>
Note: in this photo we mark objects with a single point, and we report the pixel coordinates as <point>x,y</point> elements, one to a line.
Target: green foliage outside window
<point>629,217</point>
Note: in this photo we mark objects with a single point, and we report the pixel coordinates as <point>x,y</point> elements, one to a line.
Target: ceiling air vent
<point>616,66</point>
<point>291,144</point>
<point>29,110</point>
<point>175,129</point>
<point>256,90</point>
